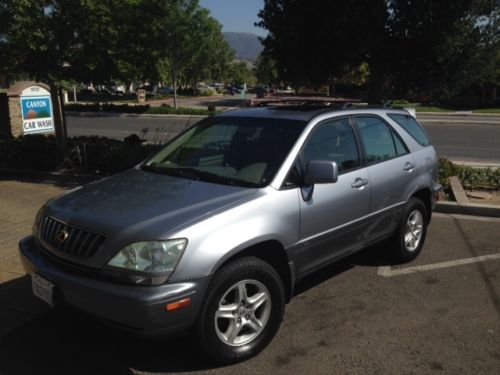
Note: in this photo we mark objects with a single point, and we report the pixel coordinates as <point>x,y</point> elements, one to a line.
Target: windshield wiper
<point>193,173</point>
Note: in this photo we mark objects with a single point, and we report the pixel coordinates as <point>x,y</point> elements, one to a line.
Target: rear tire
<point>409,237</point>
<point>242,312</point>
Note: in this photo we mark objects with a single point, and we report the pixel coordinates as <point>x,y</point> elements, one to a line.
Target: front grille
<point>77,242</point>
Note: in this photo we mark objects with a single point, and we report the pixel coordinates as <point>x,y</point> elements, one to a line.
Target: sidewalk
<point>19,203</point>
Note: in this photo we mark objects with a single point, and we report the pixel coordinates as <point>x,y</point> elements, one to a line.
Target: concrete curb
<point>453,121</point>
<point>476,164</point>
<point>464,114</point>
<point>463,206</point>
<point>468,209</point>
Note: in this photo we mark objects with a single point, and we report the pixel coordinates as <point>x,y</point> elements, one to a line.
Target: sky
<point>236,15</point>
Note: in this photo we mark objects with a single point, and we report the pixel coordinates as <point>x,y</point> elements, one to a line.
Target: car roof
<point>304,113</point>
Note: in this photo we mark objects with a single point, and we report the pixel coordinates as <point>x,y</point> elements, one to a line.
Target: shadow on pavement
<point>62,341</point>
<point>373,256</point>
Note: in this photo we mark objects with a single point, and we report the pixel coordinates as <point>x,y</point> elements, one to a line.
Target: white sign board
<point>36,108</point>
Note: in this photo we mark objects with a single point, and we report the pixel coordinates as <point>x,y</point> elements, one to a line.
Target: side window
<point>334,141</point>
<point>413,128</point>
<point>379,140</point>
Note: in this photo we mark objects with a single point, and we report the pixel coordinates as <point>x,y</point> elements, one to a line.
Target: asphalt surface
<point>356,317</point>
<point>460,138</point>
<point>470,142</point>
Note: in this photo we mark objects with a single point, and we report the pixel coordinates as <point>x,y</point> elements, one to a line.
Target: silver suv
<point>212,233</point>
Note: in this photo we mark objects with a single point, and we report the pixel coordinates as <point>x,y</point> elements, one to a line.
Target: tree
<point>314,42</point>
<point>192,42</point>
<point>411,46</point>
<point>265,69</point>
<point>441,45</point>
<point>240,73</point>
<point>209,52</point>
<point>57,41</point>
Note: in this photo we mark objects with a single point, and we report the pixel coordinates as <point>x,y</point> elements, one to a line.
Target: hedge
<point>135,108</point>
<point>470,177</point>
<point>90,155</point>
<point>101,155</point>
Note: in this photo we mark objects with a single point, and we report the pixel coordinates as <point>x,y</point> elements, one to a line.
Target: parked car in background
<point>203,89</point>
<point>165,90</point>
<point>212,233</point>
<point>118,89</point>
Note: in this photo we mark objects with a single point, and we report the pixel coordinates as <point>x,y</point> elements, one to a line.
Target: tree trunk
<point>63,115</point>
<point>58,112</point>
<point>174,84</point>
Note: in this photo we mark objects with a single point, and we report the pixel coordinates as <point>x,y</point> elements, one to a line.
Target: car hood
<point>139,201</point>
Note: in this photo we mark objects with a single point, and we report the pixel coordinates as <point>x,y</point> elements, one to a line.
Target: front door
<point>332,221</point>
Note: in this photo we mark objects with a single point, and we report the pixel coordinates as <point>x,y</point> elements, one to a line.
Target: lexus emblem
<point>62,236</point>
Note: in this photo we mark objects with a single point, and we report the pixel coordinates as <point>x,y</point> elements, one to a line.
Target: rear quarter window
<point>413,128</point>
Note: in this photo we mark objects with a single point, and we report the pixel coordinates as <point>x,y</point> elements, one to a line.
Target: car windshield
<point>229,150</point>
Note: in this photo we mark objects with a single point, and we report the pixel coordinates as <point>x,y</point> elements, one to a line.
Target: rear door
<point>332,220</point>
<point>391,169</point>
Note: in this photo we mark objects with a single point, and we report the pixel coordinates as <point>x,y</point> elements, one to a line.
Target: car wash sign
<point>36,108</point>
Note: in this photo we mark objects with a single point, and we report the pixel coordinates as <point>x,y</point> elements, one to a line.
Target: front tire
<point>409,237</point>
<point>242,312</point>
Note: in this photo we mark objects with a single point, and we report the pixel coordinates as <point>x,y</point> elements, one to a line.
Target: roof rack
<point>300,101</point>
<point>308,103</point>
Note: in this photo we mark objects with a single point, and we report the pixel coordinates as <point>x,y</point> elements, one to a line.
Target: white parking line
<point>387,271</point>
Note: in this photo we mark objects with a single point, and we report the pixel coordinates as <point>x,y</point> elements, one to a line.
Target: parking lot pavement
<point>19,202</point>
<point>361,316</point>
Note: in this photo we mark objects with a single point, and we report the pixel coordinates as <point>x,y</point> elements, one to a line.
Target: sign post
<point>30,109</point>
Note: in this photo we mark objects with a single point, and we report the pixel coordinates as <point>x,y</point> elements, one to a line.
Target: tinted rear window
<point>413,128</point>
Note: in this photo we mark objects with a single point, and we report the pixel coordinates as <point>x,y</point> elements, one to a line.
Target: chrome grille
<point>77,243</point>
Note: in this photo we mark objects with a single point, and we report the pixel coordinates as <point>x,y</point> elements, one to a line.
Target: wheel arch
<point>425,195</point>
<point>271,252</point>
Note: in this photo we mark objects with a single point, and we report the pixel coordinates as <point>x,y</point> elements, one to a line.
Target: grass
<point>422,108</point>
<point>487,110</point>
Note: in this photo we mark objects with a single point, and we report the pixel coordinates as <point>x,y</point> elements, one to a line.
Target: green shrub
<point>91,155</point>
<point>107,107</point>
<point>31,152</point>
<point>470,177</point>
<point>127,108</point>
<point>101,155</point>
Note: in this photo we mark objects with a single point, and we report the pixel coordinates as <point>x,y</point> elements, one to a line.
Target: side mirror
<point>321,172</point>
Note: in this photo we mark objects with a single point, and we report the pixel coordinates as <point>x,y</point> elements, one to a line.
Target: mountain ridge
<point>247,46</point>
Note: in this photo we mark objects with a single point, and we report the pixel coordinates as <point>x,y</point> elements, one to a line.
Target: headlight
<point>156,259</point>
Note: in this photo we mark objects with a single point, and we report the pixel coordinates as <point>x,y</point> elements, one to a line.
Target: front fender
<point>272,215</point>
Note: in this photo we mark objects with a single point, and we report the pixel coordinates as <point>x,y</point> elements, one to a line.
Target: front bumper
<point>138,309</point>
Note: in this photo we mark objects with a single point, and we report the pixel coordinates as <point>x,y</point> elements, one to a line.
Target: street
<point>364,315</point>
<point>470,140</point>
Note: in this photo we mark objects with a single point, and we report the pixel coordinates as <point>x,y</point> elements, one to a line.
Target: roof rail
<point>313,103</point>
<point>305,101</point>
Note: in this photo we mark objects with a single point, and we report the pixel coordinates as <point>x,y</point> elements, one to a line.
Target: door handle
<point>408,166</point>
<point>359,182</point>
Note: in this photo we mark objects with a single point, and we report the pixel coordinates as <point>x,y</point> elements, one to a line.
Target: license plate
<point>42,288</point>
